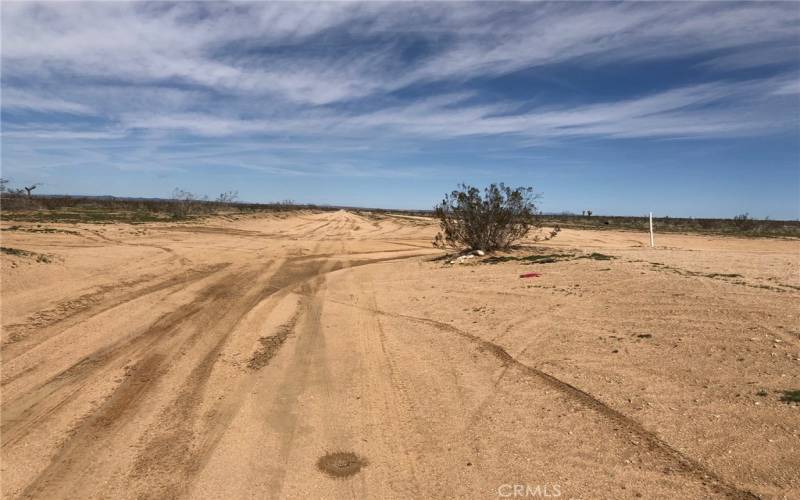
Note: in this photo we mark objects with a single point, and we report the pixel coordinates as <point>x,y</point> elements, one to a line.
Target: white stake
<point>652,241</point>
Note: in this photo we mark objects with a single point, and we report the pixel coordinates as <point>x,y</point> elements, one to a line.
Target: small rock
<point>480,253</point>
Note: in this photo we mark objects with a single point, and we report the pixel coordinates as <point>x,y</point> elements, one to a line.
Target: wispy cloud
<point>705,110</point>
<point>385,73</point>
<point>16,99</point>
<point>323,53</point>
<point>788,88</point>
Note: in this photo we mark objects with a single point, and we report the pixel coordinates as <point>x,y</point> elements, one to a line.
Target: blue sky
<point>685,109</point>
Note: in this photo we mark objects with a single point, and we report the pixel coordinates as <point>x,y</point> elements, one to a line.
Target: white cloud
<point>788,88</point>
<point>332,70</point>
<point>197,43</point>
<point>706,110</point>
<point>46,132</point>
<point>19,99</point>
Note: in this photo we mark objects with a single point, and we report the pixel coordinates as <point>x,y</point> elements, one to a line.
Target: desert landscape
<point>399,250</point>
<point>311,354</point>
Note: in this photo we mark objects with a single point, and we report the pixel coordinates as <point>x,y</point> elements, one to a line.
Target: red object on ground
<point>530,275</point>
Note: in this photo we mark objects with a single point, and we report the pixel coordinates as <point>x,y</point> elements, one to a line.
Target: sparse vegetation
<point>791,396</point>
<point>15,251</point>
<point>108,209</point>
<point>545,258</point>
<point>530,259</point>
<point>743,221</point>
<point>767,228</point>
<point>16,205</point>
<point>597,256</point>
<point>38,229</point>
<point>186,203</point>
<point>731,278</point>
<point>489,221</point>
<point>39,257</point>
<point>228,197</point>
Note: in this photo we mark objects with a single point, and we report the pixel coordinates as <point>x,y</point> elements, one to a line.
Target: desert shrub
<point>186,203</point>
<point>227,198</point>
<point>744,222</point>
<point>16,198</point>
<point>13,200</point>
<point>489,221</point>
<point>791,396</point>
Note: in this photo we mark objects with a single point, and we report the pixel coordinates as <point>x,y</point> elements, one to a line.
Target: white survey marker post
<point>652,241</point>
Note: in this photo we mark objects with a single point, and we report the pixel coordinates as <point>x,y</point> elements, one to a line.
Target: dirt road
<point>327,355</point>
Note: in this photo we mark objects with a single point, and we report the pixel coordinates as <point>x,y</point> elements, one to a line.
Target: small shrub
<point>598,256</point>
<point>744,222</point>
<point>15,251</point>
<point>530,259</point>
<point>185,203</point>
<point>791,396</point>
<point>40,257</point>
<point>227,198</point>
<point>488,222</point>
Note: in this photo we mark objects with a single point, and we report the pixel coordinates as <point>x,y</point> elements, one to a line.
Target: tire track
<point>156,347</point>
<point>174,452</point>
<point>52,322</point>
<point>680,463</point>
<point>282,414</point>
<point>683,463</point>
<point>163,470</point>
<point>22,415</point>
<point>396,392</point>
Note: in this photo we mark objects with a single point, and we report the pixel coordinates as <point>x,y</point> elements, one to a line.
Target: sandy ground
<point>224,359</point>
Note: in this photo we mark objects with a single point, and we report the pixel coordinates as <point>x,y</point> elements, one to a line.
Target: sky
<point>679,108</point>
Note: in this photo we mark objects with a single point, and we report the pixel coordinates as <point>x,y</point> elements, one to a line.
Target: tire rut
<point>53,321</point>
<point>172,451</point>
<point>179,446</point>
<point>22,415</point>
<point>156,347</point>
<point>282,415</point>
<point>680,462</point>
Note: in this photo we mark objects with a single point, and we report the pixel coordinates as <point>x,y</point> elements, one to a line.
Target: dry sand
<point>327,355</point>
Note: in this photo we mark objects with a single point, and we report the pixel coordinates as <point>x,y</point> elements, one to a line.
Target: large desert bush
<point>487,221</point>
